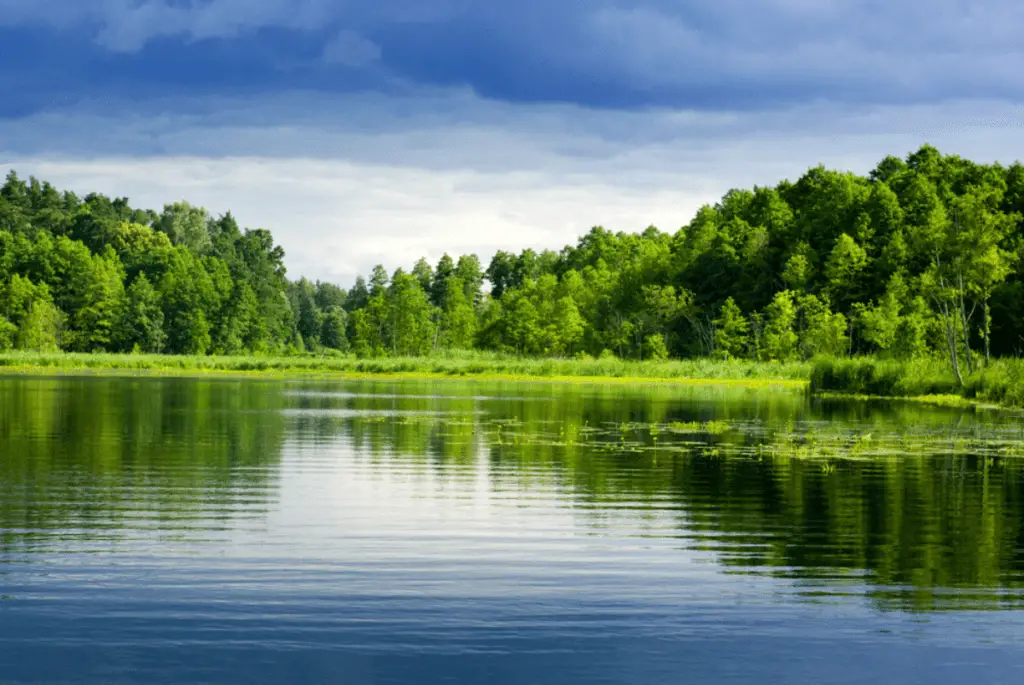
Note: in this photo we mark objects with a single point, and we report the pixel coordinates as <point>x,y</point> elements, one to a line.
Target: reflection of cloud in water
<point>385,396</point>
<point>357,413</point>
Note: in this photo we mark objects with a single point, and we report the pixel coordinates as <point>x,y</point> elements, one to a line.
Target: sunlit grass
<point>452,365</point>
<point>929,379</point>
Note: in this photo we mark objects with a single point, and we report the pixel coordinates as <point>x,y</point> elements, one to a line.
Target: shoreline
<point>734,373</point>
<point>330,374</point>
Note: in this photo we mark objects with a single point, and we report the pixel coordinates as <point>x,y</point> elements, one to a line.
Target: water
<point>228,531</point>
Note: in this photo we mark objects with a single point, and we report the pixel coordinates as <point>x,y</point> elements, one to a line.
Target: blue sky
<point>364,132</point>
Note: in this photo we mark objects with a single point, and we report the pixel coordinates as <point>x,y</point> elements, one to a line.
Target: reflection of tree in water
<point>97,453</point>
<point>924,504</point>
<point>927,502</point>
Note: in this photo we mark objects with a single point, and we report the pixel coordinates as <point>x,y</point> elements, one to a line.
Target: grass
<point>480,365</point>
<point>929,380</point>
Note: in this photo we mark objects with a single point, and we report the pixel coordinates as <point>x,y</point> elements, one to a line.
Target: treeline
<point>93,274</point>
<point>922,256</point>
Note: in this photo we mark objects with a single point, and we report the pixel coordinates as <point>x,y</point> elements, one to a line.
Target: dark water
<point>270,532</point>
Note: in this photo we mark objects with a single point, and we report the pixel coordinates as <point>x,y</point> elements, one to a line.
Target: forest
<point>920,258</point>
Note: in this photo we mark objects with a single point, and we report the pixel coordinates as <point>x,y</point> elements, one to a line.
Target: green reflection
<point>923,504</point>
<point>918,507</point>
<point>103,455</point>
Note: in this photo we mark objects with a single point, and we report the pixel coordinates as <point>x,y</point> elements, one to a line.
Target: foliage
<point>920,257</point>
<point>1002,382</point>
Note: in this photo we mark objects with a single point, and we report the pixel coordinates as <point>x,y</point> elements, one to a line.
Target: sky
<point>366,132</point>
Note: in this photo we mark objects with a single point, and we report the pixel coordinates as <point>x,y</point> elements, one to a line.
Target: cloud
<point>705,54</point>
<point>128,25</point>
<point>362,132</point>
<point>336,219</point>
<point>351,49</point>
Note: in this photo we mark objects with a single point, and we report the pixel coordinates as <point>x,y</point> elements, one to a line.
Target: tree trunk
<point>964,323</point>
<point>988,330</point>
<point>951,342</point>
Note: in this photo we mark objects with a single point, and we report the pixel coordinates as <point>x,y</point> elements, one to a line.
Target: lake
<point>265,531</point>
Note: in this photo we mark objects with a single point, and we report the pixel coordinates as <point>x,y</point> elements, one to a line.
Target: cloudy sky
<point>367,132</point>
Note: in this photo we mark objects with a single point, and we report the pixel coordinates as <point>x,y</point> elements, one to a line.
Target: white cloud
<point>336,219</point>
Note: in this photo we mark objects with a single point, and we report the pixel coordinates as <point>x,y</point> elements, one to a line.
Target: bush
<point>869,376</point>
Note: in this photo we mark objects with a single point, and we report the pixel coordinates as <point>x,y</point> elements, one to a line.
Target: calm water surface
<point>231,531</point>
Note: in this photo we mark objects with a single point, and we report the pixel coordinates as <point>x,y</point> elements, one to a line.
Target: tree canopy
<point>921,256</point>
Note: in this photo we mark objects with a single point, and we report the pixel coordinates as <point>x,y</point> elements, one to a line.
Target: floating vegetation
<point>708,427</point>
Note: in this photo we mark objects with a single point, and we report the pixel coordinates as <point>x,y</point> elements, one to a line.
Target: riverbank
<point>924,380</point>
<point>470,366</point>
<point>1001,383</point>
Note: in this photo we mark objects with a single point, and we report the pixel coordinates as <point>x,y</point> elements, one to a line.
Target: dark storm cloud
<point>704,54</point>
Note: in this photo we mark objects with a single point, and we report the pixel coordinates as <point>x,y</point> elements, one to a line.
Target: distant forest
<point>922,256</point>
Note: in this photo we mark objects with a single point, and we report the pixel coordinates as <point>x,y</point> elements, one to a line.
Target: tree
<point>778,340</point>
<point>441,277</point>
<point>798,271</point>
<point>8,331</point>
<point>880,322</point>
<point>358,295</point>
<point>566,327</point>
<point>846,262</point>
<point>499,273</point>
<point>730,331</point>
<point>457,317</point>
<point>920,255</point>
<point>986,263</point>
<point>822,331</point>
<point>42,327</point>
<point>655,348</point>
<point>332,330</point>
<point>913,331</point>
<point>308,319</point>
<point>424,273</point>
<point>96,319</point>
<point>412,325</point>
<point>187,294</point>
<point>142,327</point>
<point>469,273</point>
<point>187,226</point>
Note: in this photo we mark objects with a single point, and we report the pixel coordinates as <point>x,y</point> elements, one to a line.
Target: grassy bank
<point>1002,382</point>
<point>459,365</point>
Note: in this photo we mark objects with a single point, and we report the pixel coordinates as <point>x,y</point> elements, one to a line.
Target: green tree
<point>730,331</point>
<point>8,331</point>
<point>458,323</point>
<point>846,262</point>
<point>42,327</point>
<point>822,330</point>
<point>142,327</point>
<point>332,330</point>
<point>412,323</point>
<point>655,348</point>
<point>187,226</point>
<point>778,339</point>
<point>880,322</point>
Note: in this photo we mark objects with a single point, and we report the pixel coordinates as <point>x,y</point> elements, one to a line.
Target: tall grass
<point>454,364</point>
<point>1002,382</point>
